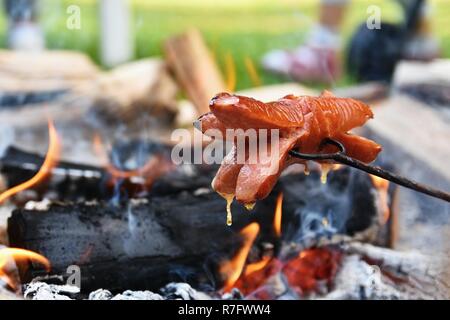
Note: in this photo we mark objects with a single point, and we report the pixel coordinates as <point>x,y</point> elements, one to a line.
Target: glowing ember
<point>311,268</point>
<point>278,213</point>
<point>51,159</point>
<point>232,269</point>
<point>230,70</point>
<point>256,276</point>
<point>252,72</point>
<point>382,186</point>
<point>306,273</point>
<point>10,256</point>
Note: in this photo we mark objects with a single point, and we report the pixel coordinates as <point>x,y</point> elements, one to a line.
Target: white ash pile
<point>173,291</point>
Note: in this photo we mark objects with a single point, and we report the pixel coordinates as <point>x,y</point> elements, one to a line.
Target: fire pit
<point>107,214</point>
<point>170,240</point>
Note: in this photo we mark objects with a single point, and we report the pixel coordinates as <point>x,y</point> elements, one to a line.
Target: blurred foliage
<point>243,28</point>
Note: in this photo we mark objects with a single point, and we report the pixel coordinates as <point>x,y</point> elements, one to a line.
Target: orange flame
<point>256,266</point>
<point>8,255</point>
<point>304,273</point>
<point>278,213</point>
<point>230,69</point>
<point>232,269</point>
<point>51,159</point>
<point>382,186</point>
<point>252,72</point>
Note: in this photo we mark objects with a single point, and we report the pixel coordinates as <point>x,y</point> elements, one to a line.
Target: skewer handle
<point>341,157</point>
<point>379,172</point>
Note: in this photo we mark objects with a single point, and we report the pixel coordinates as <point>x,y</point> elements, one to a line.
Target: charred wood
<point>182,233</point>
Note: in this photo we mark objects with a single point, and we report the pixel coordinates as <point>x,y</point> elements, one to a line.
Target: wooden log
<point>429,82</point>
<point>46,71</point>
<point>192,64</point>
<point>41,77</point>
<point>133,89</point>
<point>415,72</point>
<point>370,272</point>
<point>136,246</point>
<point>415,138</point>
<point>141,245</point>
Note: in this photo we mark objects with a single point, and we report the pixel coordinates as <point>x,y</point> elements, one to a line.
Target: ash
<point>173,291</point>
<point>44,291</point>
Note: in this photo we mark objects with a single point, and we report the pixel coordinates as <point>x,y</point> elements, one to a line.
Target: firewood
<point>43,71</point>
<point>370,272</point>
<point>428,82</point>
<point>181,227</point>
<point>408,125</point>
<point>133,89</point>
<point>413,72</point>
<point>192,64</point>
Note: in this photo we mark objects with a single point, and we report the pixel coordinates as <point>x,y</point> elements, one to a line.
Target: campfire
<point>106,213</point>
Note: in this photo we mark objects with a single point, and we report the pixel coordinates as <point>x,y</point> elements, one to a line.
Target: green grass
<point>243,28</point>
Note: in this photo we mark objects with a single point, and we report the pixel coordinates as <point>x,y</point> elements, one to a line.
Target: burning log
<point>180,230</point>
<point>190,60</point>
<point>73,181</point>
<point>136,247</point>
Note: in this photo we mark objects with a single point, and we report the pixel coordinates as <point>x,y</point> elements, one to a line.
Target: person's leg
<point>24,32</point>
<point>319,58</point>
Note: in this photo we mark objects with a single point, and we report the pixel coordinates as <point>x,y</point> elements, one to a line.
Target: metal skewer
<point>341,157</point>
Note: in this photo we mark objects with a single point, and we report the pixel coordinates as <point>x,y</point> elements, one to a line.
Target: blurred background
<point>244,29</point>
